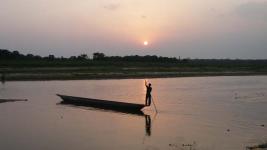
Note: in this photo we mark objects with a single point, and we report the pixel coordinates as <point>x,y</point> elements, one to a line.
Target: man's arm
<point>146,84</point>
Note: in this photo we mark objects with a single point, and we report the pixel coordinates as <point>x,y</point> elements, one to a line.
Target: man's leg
<point>149,102</point>
<point>146,100</point>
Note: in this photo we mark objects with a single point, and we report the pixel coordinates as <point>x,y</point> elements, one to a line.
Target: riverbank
<point>117,75</point>
<point>67,69</point>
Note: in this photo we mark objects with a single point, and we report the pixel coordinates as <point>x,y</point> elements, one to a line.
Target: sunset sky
<point>186,28</point>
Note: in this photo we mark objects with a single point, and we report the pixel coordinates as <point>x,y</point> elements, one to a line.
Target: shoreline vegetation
<point>18,67</point>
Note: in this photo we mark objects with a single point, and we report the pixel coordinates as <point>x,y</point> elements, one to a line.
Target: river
<point>194,113</point>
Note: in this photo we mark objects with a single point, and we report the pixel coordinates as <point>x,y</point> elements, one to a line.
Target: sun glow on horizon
<point>145,43</point>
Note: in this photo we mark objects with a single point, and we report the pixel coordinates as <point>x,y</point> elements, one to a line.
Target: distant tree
<point>62,58</point>
<point>51,57</point>
<point>15,54</point>
<point>82,57</point>
<point>73,57</point>
<point>37,57</point>
<point>98,56</point>
<point>5,53</point>
<point>186,59</point>
<point>30,56</point>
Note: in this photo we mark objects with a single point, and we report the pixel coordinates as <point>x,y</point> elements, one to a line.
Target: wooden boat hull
<point>102,104</point>
<point>12,100</point>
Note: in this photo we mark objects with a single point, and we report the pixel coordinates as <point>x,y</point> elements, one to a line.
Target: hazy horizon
<point>206,29</point>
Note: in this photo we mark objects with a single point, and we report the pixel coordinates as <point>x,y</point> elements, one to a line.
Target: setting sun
<point>145,43</point>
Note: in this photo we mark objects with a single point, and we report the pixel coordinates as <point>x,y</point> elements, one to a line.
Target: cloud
<point>143,16</point>
<point>253,10</point>
<point>112,6</point>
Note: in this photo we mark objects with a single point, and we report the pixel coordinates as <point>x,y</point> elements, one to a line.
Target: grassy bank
<point>106,70</point>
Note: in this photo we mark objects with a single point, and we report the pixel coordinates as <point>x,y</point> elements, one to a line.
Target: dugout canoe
<point>103,104</point>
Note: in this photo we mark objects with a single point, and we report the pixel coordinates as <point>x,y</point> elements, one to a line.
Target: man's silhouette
<point>148,93</point>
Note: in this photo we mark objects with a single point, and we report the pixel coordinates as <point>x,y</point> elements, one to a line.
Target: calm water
<point>199,113</point>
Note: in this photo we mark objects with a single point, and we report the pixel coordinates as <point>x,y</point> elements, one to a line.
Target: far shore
<point>115,75</point>
<point>20,67</point>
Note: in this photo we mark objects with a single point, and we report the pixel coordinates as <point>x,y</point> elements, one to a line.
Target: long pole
<point>154,104</point>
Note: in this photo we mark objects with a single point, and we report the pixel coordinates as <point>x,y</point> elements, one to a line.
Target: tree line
<point>101,57</point>
<point>97,56</point>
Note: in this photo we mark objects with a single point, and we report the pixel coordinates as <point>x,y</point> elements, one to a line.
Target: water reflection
<point>148,125</point>
<point>136,113</point>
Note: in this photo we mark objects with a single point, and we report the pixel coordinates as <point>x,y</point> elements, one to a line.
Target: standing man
<point>148,93</point>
